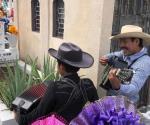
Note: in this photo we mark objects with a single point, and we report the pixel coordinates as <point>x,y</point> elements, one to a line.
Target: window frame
<point>58,18</point>
<point>35,15</point>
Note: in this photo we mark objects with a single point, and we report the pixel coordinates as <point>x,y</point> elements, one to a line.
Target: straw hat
<point>128,31</point>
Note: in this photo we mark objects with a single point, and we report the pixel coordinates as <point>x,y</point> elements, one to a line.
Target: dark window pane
<point>35,6</point>
<point>58,22</point>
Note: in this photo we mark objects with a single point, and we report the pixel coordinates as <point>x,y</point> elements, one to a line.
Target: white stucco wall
<point>88,24</point>
<point>32,43</point>
<point>106,29</point>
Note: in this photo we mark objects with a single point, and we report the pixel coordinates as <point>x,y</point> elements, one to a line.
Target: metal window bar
<point>59,18</point>
<point>35,5</point>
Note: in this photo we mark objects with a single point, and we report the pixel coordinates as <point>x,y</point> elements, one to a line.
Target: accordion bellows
<point>29,99</point>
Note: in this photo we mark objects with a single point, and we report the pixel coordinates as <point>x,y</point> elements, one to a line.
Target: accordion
<point>29,99</point>
<point>123,73</point>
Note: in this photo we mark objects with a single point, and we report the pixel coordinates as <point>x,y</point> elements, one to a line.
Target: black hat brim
<point>86,62</point>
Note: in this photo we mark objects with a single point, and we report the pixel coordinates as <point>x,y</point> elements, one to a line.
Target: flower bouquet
<point>110,110</point>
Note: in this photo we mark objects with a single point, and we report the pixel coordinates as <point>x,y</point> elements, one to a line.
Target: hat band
<point>70,58</point>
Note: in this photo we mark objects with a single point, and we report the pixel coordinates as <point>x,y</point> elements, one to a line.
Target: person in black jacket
<point>67,96</point>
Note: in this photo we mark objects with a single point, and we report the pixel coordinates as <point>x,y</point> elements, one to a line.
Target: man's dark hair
<point>141,41</point>
<point>68,68</point>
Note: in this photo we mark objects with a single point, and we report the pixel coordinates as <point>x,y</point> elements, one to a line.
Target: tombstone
<point>8,47</point>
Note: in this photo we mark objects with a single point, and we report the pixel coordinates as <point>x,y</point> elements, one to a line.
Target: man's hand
<point>14,113</point>
<point>115,82</point>
<point>103,60</point>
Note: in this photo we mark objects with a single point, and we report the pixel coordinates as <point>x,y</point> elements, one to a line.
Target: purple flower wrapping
<point>110,110</point>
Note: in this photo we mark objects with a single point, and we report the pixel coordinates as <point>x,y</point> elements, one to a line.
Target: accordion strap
<point>73,93</point>
<point>136,60</point>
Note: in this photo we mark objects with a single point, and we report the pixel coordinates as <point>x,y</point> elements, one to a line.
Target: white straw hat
<point>128,31</point>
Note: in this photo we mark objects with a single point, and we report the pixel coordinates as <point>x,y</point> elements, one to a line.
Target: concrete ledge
<point>28,67</point>
<point>6,116</point>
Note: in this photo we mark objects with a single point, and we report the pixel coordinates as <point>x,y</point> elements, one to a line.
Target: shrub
<point>16,80</point>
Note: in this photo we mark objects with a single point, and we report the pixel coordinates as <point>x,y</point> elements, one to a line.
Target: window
<point>58,18</point>
<point>35,8</point>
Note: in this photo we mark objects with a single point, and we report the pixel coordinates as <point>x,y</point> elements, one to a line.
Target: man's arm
<point>142,71</point>
<point>90,90</point>
<point>104,59</point>
<point>136,83</point>
<point>45,106</point>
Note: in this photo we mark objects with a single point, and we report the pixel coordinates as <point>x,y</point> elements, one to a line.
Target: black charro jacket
<point>56,97</point>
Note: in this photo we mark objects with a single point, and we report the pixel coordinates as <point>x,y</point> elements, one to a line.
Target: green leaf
<point>17,81</point>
